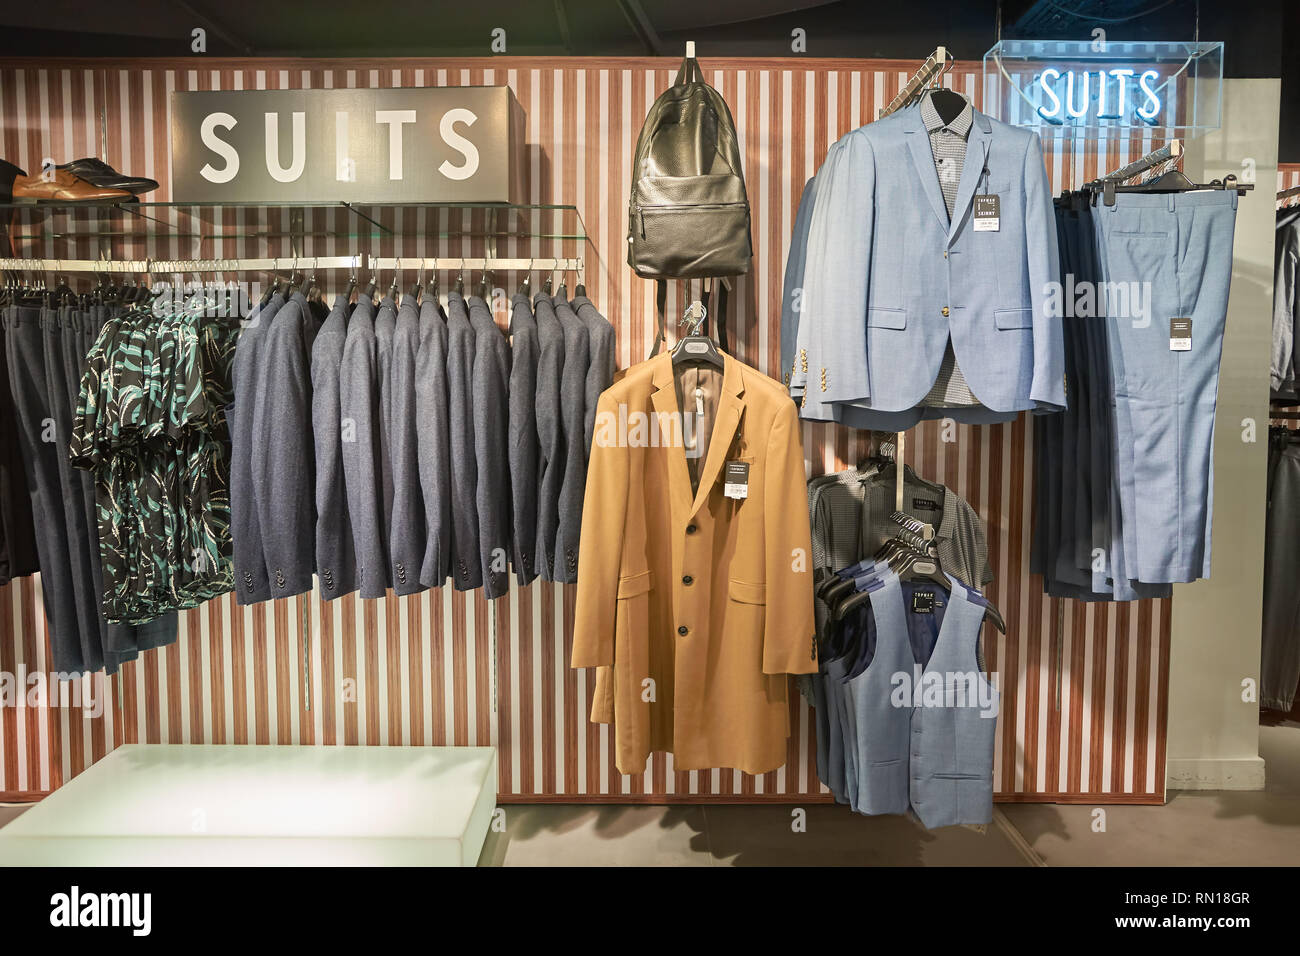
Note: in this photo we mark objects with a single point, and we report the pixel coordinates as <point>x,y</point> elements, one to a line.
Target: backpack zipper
<point>641,210</point>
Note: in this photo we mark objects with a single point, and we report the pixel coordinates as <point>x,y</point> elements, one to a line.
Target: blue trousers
<point>1164,256</point>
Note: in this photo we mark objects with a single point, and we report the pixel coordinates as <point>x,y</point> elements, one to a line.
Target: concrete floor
<point>1229,828</point>
<point>1194,828</point>
<point>755,835</point>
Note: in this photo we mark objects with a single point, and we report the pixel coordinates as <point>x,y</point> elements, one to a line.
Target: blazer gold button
<point>944,310</point>
<point>683,630</point>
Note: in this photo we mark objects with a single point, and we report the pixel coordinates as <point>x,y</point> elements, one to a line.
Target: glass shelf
<point>55,226</point>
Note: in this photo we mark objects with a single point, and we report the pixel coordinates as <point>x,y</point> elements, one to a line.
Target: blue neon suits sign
<point>1096,88</point>
<point>1073,96</point>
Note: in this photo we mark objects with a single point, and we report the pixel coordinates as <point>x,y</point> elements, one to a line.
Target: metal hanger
<point>369,291</point>
<point>313,290</point>
<point>296,278</point>
<point>696,348</point>
<point>414,294</point>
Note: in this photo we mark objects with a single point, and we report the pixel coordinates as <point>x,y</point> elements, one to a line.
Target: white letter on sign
<point>394,119</point>
<point>345,170</point>
<point>279,173</point>
<point>207,132</point>
<point>458,143</point>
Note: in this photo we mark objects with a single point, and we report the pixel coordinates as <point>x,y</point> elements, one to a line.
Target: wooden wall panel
<point>1082,712</point>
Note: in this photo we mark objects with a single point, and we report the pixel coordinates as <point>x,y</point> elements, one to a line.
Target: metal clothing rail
<point>361,262</point>
<point>932,67</point>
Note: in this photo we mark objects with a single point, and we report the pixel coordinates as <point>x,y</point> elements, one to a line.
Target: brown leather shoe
<point>59,186</point>
<point>62,186</point>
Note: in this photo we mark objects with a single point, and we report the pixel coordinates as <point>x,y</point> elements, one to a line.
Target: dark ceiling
<point>1260,36</point>
<point>162,28</point>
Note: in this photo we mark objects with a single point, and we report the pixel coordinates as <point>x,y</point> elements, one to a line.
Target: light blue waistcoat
<point>937,757</point>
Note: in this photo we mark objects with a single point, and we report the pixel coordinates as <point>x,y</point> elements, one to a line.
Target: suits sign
<point>433,144</point>
<point>1099,87</point>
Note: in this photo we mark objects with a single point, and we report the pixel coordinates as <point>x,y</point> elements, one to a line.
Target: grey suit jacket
<point>385,327</point>
<point>467,570</point>
<point>550,434</point>
<point>573,388</point>
<point>359,416</point>
<point>406,542</point>
<point>433,443</point>
<point>491,446</point>
<point>336,558</point>
<point>524,448</point>
<point>252,584</point>
<point>283,451</point>
<point>600,365</point>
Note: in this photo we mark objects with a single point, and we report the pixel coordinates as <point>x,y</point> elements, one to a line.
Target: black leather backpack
<point>688,215</point>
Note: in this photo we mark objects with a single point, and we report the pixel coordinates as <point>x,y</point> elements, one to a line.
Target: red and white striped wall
<point>1084,686</point>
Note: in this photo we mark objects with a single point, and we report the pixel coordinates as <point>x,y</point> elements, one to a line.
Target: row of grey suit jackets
<point>437,446</point>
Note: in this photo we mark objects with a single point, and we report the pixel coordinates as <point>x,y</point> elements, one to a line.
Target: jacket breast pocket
<point>1013,319</point>
<point>886,318</point>
<point>1000,188</point>
<point>746,593</point>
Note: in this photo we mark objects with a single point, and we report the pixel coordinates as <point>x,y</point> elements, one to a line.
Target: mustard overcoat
<point>702,603</point>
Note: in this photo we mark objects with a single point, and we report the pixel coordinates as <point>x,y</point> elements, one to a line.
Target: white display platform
<point>231,805</point>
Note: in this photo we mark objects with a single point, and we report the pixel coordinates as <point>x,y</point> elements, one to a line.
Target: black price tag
<point>988,213</point>
<point>1180,335</point>
<point>736,479</point>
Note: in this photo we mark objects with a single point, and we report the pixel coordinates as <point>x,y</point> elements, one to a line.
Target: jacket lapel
<point>977,154</point>
<point>918,143</point>
<point>730,407</point>
<point>664,399</point>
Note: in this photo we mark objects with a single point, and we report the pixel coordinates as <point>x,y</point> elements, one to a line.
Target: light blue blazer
<point>888,279</point>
